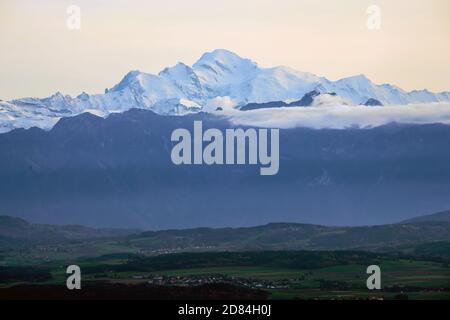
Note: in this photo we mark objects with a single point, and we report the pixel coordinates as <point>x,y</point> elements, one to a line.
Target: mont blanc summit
<point>183,89</point>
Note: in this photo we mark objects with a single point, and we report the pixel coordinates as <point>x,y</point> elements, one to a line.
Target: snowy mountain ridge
<point>182,89</point>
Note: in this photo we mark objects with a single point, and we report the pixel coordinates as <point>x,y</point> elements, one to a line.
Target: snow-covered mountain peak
<point>130,79</point>
<point>220,68</point>
<point>222,57</point>
<point>284,71</point>
<point>83,96</point>
<point>186,80</point>
<point>358,77</point>
<point>359,80</point>
<point>179,68</point>
<point>217,76</point>
<point>57,95</point>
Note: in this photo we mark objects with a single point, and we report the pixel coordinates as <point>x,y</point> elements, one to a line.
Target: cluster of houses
<point>198,280</point>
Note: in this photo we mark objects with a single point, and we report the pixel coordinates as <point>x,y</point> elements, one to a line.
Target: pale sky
<point>39,55</point>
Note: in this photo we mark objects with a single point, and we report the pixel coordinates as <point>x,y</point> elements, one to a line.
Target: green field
<point>276,261</point>
<point>283,274</point>
<point>399,273</point>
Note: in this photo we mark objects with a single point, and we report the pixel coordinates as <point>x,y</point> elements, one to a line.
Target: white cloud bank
<point>320,116</point>
<point>341,116</point>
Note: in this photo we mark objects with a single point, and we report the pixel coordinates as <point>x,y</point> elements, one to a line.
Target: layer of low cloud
<point>341,116</point>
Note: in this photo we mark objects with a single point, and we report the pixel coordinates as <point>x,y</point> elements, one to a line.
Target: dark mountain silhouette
<point>117,172</point>
<point>272,104</point>
<point>372,102</point>
<point>306,101</point>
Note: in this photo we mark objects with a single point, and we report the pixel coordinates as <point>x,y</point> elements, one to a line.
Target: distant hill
<point>443,216</point>
<point>274,236</point>
<point>16,231</point>
<point>291,236</point>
